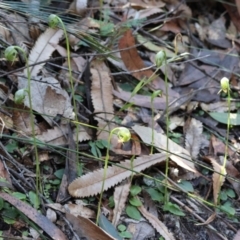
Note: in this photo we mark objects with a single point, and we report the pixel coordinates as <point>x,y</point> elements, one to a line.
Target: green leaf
<point>106,29</point>
<point>105,143</point>
<point>55,182</point>
<point>173,208</point>
<point>230,193</point>
<point>94,151</point>
<point>228,209</point>
<point>223,118</point>
<point>99,144</point>
<point>125,235</point>
<point>10,215</point>
<point>34,199</point>
<point>78,98</point>
<point>135,190</point>
<point>19,195</point>
<point>128,87</point>
<point>121,228</point>
<point>223,195</point>
<point>11,146</point>
<point>133,212</point>
<point>155,195</point>
<point>1,203</point>
<point>111,203</point>
<point>186,185</point>
<point>135,202</point>
<point>108,227</point>
<point>59,173</point>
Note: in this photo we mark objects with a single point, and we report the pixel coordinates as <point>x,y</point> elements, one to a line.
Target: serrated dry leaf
<point>218,179</point>
<point>157,224</point>
<point>193,137</point>
<point>182,157</point>
<point>43,48</point>
<point>102,99</point>
<point>91,183</point>
<point>120,197</point>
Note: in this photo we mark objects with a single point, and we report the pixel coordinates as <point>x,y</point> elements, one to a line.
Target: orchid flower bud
<point>123,134</point>
<point>160,58</point>
<point>53,21</point>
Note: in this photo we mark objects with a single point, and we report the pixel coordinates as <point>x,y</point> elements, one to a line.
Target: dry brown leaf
<point>209,220</point>
<point>79,210</point>
<point>21,121</point>
<point>102,100</point>
<point>142,4</point>
<point>157,224</point>
<point>233,173</point>
<point>91,183</point>
<point>55,136</point>
<point>35,216</point>
<point>221,106</point>
<point>182,157</point>
<point>218,179</point>
<point>48,98</point>
<point>19,29</point>
<point>133,62</point>
<point>120,197</point>
<point>87,229</point>
<point>193,137</point>
<point>43,48</point>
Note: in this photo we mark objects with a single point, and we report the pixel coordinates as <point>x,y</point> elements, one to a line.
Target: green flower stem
<point>167,129</point>
<point>54,20</point>
<point>124,135</point>
<point>10,54</point>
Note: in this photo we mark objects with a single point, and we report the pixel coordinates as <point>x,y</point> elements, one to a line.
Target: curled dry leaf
<point>91,183</point>
<point>179,155</point>
<point>157,224</point>
<point>218,178</point>
<point>48,98</point>
<point>193,137</point>
<point>120,197</point>
<point>87,229</point>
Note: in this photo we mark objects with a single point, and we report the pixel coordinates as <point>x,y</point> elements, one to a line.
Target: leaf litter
<point>112,51</point>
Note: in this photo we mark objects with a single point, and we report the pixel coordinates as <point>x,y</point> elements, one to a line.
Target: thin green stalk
<point>124,135</point>
<point>10,54</point>
<point>225,88</point>
<point>167,130</point>
<point>54,20</point>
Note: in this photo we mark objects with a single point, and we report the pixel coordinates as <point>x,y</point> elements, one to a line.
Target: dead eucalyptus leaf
<point>91,183</point>
<point>48,98</point>
<point>120,197</point>
<point>102,102</point>
<point>157,224</point>
<point>218,178</point>
<point>193,137</point>
<point>180,155</point>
